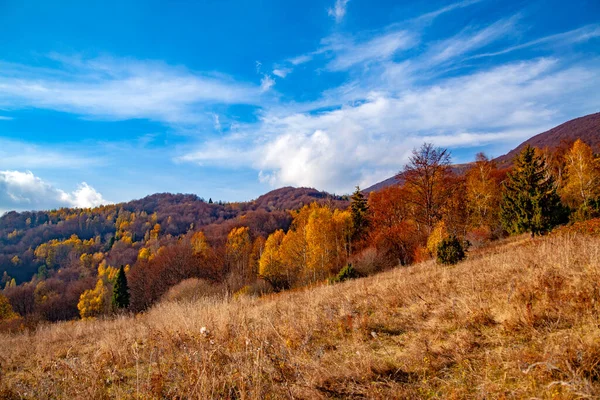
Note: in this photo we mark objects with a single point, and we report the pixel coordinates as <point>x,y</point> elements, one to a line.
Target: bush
<point>450,251</point>
<point>367,262</point>
<point>193,289</point>
<point>346,273</point>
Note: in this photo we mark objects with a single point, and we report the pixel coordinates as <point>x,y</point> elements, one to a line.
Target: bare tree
<point>427,176</point>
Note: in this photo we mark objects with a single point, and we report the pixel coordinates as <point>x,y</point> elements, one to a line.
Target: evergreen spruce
<point>120,297</point>
<point>359,208</point>
<point>530,202</point>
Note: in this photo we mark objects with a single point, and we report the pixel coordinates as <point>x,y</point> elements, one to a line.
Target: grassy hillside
<point>517,320</point>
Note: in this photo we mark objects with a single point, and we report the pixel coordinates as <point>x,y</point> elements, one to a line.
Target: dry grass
<point>520,321</point>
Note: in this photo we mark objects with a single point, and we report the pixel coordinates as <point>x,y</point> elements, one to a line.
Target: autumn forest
<point>89,263</point>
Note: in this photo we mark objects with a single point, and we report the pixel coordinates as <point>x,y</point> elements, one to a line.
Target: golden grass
<point>518,321</point>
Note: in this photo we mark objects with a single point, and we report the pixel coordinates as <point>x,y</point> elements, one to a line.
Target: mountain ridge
<point>586,128</point>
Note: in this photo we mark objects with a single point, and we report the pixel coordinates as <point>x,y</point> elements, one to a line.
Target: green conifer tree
<point>120,297</point>
<point>359,208</point>
<point>529,201</point>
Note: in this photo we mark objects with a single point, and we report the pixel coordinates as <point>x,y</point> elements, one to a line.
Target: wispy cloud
<point>430,16</point>
<point>338,11</point>
<point>4,118</point>
<point>470,40</point>
<point>348,53</point>
<point>579,35</point>
<point>121,89</point>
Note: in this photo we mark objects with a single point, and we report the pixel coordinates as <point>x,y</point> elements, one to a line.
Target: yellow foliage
<point>315,247</point>
<point>144,253</point>
<point>238,249</point>
<point>199,244</point>
<point>438,234</point>
<point>56,250</point>
<point>582,175</point>
<point>6,310</point>
<point>270,265</point>
<point>155,232</point>
<point>92,303</point>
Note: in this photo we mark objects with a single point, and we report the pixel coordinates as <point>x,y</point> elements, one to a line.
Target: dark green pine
<point>359,208</point>
<point>529,201</point>
<point>120,297</point>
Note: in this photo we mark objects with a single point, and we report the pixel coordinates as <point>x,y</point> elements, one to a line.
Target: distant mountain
<point>586,128</point>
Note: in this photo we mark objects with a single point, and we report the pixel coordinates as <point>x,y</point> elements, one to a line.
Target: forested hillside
<point>78,263</point>
<point>63,249</point>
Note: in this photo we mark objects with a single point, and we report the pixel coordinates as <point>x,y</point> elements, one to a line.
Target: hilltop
<point>519,319</point>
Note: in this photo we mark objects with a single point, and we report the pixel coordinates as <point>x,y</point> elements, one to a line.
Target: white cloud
<point>25,191</point>
<point>120,89</point>
<point>266,83</point>
<point>338,11</point>
<point>301,59</point>
<point>3,118</point>
<point>282,72</point>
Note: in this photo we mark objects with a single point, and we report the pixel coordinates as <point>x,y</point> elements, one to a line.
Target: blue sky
<point>109,101</point>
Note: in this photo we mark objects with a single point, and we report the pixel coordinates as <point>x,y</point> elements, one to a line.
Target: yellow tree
<point>92,303</point>
<point>344,230</point>
<point>327,238</point>
<point>199,244</point>
<point>6,310</point>
<point>270,266</point>
<point>144,254</point>
<point>294,252</point>
<point>438,234</point>
<point>238,249</point>
<point>258,247</point>
<point>583,175</point>
<point>483,193</point>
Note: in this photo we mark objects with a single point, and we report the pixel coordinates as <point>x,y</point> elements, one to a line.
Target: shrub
<point>193,289</point>
<point>346,273</point>
<point>367,262</point>
<point>450,251</point>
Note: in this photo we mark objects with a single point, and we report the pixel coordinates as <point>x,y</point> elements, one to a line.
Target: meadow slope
<point>517,320</point>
